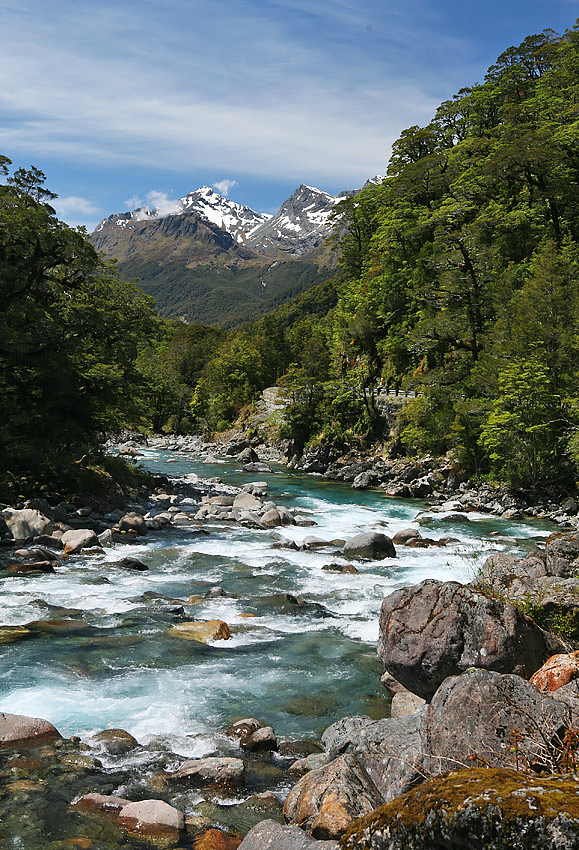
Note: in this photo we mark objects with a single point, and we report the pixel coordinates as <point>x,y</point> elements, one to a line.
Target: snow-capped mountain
<point>300,225</point>
<point>238,220</point>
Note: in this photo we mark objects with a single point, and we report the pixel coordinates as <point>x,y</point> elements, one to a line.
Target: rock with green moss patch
<point>475,808</point>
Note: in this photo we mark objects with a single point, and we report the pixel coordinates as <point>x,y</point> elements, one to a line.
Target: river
<point>297,668</point>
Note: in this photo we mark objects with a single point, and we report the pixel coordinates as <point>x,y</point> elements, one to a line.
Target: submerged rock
<point>216,839</point>
<point>101,804</point>
<point>129,563</point>
<point>12,634</point>
<point>201,631</point>
<point>472,808</point>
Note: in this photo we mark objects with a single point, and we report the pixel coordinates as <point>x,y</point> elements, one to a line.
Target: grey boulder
<point>269,835</point>
<point>495,720</point>
<point>370,544</point>
<point>26,523</point>
<point>392,751</point>
<point>438,629</point>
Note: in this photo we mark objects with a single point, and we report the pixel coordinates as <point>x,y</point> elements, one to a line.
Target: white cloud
<point>225,186</point>
<point>272,103</point>
<point>72,205</point>
<point>161,202</point>
<point>133,203</point>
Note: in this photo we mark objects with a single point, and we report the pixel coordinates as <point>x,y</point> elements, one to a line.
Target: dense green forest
<point>458,278</point>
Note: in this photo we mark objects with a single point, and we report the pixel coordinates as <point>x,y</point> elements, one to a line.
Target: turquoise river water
<point>298,672</point>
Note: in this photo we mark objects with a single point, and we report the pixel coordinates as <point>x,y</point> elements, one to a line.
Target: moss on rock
<point>479,809</point>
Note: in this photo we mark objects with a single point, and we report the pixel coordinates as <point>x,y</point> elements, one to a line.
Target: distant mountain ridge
<point>300,225</point>
<point>206,258</point>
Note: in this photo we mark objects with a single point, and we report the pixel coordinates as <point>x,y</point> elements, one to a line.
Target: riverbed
<point>297,667</point>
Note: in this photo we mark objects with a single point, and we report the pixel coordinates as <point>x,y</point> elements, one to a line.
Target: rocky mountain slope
<point>208,259</point>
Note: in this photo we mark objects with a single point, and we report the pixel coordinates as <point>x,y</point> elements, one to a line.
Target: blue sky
<point>117,100</point>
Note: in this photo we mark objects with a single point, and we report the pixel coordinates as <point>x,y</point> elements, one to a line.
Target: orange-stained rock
<point>203,632</point>
<point>80,843</point>
<point>101,804</point>
<point>557,671</point>
<point>215,839</point>
<point>326,801</point>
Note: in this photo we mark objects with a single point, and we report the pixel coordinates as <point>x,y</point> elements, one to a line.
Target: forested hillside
<point>459,279</point>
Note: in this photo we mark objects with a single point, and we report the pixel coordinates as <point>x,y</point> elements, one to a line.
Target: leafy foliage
<point>69,337</point>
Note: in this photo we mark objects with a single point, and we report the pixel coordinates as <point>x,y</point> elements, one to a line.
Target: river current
<point>297,670</point>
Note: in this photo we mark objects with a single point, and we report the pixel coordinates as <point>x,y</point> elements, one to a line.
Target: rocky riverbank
<point>439,480</point>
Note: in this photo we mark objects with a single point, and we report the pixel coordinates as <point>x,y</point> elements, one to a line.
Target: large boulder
<point>26,523</point>
<point>475,808</point>
<point>326,801</point>
<point>370,544</point>
<point>391,751</point>
<point>495,720</point>
<point>17,729</point>
<point>437,629</point>
<point>269,835</point>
